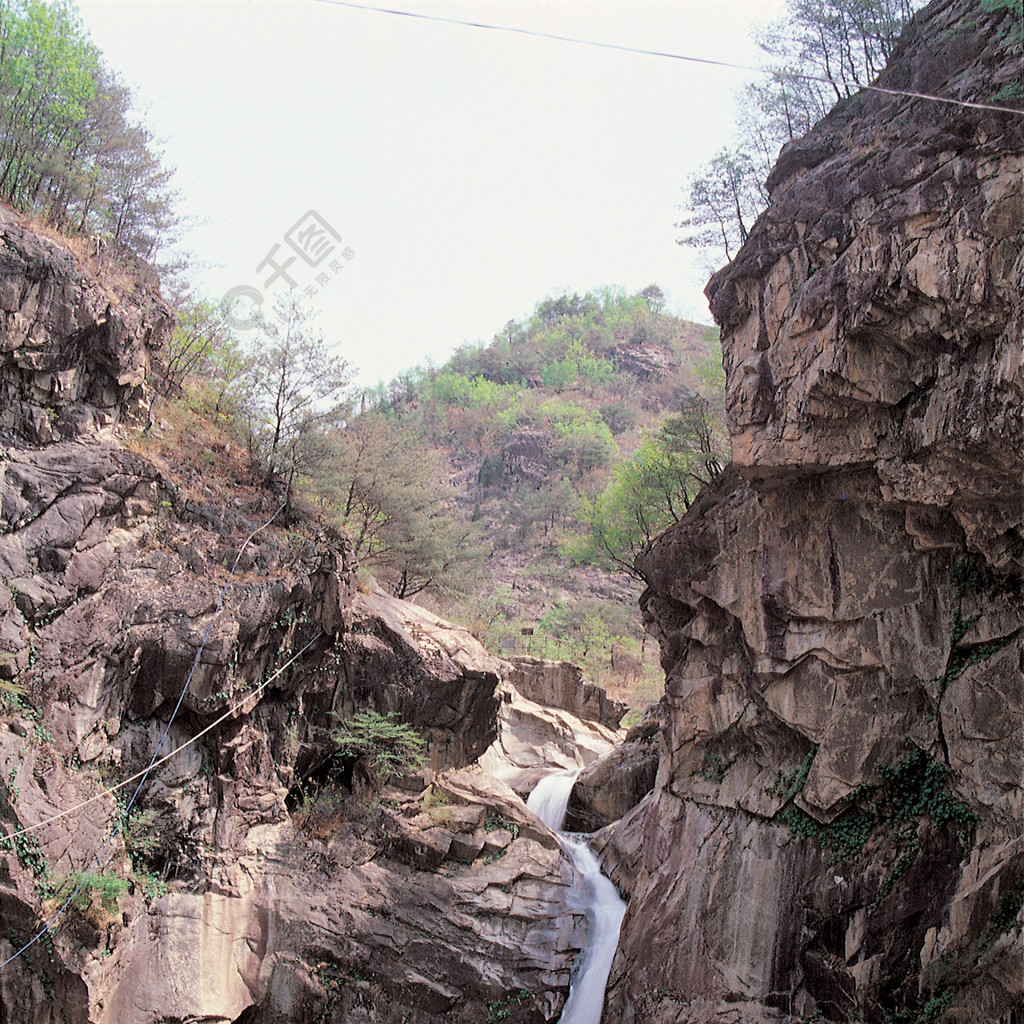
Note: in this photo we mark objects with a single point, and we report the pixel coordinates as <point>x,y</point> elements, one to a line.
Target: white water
<point>604,906</point>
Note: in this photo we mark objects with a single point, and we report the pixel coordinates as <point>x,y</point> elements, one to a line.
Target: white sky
<point>471,172</point>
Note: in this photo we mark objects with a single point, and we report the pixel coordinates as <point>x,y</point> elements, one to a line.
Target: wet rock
<point>612,785</point>
<point>534,740</point>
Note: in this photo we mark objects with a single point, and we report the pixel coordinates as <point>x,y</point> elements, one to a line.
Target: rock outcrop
<point>75,349</point>
<point>560,684</point>
<point>610,787</point>
<point>836,829</point>
<point>534,740</point>
<point>260,877</point>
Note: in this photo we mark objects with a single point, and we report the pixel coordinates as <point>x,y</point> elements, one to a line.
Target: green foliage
<point>923,1011</point>
<point>1014,6</point>
<point>94,893</point>
<point>715,766</point>
<point>382,484</point>
<point>68,149</point>
<point>29,853</point>
<point>141,837</point>
<point>501,1009</point>
<point>970,576</point>
<point>495,821</point>
<point>1004,918</point>
<point>710,370</point>
<point>151,884</point>
<point>653,489</point>
<point>787,786</point>
<point>389,747</point>
<point>915,788</point>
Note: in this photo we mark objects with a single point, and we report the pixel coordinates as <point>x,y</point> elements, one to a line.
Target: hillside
<point>532,432</point>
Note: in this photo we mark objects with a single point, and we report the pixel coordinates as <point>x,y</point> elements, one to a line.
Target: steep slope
<point>530,431</point>
<point>836,828</point>
<point>260,876</point>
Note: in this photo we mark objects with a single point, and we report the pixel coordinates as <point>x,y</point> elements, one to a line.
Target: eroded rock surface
<point>836,827</point>
<point>263,878</point>
<point>560,684</point>
<point>534,740</point>
<point>75,349</point>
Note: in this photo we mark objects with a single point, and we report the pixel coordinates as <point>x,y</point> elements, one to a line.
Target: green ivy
<point>889,807</point>
<point>714,767</point>
<point>501,1009</point>
<point>787,786</point>
<point>1004,917</point>
<point>495,821</point>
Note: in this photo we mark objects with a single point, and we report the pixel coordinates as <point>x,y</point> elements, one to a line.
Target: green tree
<point>823,51</point>
<point>384,485</point>
<point>300,388</point>
<point>654,488</point>
<point>654,297</point>
<point>69,151</point>
<point>201,326</point>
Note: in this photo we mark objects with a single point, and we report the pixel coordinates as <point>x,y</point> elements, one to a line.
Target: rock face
<point>534,740</point>
<point>260,878</point>
<point>617,781</point>
<point>560,684</point>
<point>74,350</point>
<point>836,827</point>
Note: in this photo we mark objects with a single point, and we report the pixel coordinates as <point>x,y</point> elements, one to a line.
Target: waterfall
<point>604,906</point>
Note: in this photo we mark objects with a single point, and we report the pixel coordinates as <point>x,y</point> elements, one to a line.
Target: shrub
<point>95,894</point>
<point>390,748</point>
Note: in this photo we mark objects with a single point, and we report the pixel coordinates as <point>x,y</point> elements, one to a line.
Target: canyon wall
<point>257,879</point>
<point>836,827</point>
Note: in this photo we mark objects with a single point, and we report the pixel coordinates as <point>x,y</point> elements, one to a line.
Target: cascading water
<point>604,906</point>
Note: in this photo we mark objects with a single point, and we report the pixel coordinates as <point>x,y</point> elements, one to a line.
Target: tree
<point>69,151</point>
<point>654,488</point>
<point>201,326</point>
<point>299,389</point>
<point>724,201</point>
<point>383,484</point>
<point>654,297</point>
<point>823,52</point>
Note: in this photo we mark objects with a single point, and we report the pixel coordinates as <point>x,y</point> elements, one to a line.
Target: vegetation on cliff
<point>70,151</point>
<point>821,52</point>
<point>508,487</point>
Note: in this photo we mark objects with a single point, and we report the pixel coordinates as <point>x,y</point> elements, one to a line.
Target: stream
<point>604,906</point>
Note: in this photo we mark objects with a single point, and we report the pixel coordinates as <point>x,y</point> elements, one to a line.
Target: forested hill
<point>540,462</point>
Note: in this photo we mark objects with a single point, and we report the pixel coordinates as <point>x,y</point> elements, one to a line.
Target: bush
<point>95,895</point>
<point>389,747</point>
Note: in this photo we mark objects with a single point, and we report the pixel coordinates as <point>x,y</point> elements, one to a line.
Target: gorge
<point>820,819</point>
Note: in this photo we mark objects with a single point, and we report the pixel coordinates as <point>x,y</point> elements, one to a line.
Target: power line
<point>167,757</point>
<point>144,774</point>
<point>659,53</point>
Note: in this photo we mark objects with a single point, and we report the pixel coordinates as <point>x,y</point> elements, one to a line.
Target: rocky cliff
<point>836,828</point>
<point>262,874</point>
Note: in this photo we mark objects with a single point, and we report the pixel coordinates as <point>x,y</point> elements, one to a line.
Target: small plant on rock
<point>390,748</point>
<point>93,895</point>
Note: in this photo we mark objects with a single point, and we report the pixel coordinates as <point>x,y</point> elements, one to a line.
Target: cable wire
<point>536,33</point>
<point>142,776</point>
<point>167,757</point>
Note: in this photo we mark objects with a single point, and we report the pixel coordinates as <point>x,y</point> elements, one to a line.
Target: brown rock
<point>854,582</point>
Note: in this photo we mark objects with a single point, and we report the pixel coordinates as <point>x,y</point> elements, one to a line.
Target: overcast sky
<point>467,173</point>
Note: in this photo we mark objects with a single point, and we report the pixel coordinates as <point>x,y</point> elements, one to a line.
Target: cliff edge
<point>836,828</point>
